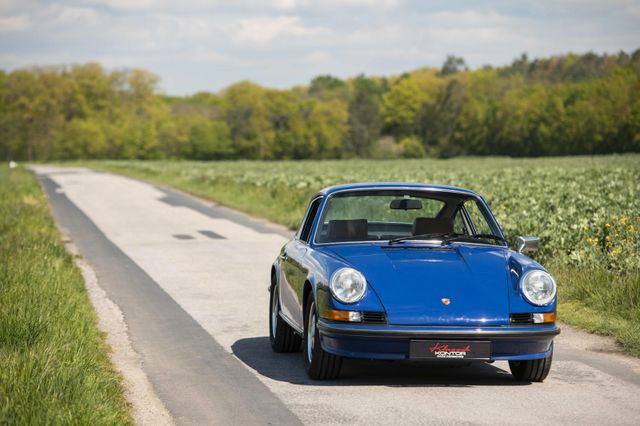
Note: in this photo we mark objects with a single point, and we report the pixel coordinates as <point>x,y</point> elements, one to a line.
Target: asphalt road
<point>191,279</point>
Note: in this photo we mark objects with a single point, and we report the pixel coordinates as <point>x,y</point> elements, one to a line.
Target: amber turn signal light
<point>336,315</point>
<point>544,318</point>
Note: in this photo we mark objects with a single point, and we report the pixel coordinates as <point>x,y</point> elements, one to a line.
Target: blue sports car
<point>410,272</point>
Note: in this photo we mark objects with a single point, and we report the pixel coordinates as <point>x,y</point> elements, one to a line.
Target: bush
<point>386,148</point>
<point>412,147</point>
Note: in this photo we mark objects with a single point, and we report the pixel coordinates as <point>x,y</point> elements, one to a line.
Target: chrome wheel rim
<point>274,312</point>
<point>311,334</point>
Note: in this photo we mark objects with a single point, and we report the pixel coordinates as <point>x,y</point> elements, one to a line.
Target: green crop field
<point>585,209</point>
<point>54,363</point>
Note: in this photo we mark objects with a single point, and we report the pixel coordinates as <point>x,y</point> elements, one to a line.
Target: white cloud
<point>289,4</point>
<point>197,44</point>
<point>123,5</point>
<point>74,15</point>
<point>369,4</point>
<point>14,23</point>
<point>209,56</point>
<point>633,9</point>
<point>267,29</point>
<point>318,57</point>
<point>469,17</point>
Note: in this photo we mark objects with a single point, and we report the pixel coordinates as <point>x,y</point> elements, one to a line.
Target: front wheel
<point>533,370</point>
<point>281,335</point>
<point>320,365</point>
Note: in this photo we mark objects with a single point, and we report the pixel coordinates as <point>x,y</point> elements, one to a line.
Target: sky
<point>195,45</point>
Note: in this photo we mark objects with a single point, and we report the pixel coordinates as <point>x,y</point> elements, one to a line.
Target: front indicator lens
<point>544,318</point>
<point>336,315</point>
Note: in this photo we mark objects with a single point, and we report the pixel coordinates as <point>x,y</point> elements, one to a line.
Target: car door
<point>294,269</point>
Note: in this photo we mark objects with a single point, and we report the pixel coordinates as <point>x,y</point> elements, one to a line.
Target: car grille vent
<point>374,317</point>
<point>526,318</point>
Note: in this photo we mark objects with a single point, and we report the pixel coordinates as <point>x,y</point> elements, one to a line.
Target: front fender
<point>320,275</point>
<point>275,274</point>
<point>519,265</point>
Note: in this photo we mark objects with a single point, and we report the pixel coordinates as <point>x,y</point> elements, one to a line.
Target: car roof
<point>395,185</point>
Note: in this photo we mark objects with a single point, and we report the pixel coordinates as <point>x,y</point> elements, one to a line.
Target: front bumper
<point>392,342</point>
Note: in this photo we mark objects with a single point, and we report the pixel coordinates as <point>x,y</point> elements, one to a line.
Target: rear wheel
<point>533,370</point>
<point>281,335</point>
<point>321,365</point>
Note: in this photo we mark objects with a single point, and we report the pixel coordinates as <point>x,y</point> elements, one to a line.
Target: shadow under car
<point>256,353</point>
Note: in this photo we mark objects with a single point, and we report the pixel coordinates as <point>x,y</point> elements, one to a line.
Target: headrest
<point>427,225</point>
<point>348,230</point>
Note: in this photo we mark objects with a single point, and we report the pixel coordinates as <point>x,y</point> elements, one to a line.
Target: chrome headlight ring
<point>538,287</point>
<point>348,285</point>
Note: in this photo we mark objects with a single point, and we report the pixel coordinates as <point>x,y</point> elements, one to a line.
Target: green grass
<point>54,363</point>
<point>585,209</point>
<point>601,302</point>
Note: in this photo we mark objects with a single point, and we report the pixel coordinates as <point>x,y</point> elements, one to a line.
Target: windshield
<point>389,215</point>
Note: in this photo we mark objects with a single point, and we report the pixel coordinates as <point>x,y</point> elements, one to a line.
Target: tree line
<point>562,105</point>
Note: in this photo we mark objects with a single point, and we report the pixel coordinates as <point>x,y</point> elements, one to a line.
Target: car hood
<point>464,285</point>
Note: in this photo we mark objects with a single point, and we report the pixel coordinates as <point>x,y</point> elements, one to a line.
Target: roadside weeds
<point>55,366</point>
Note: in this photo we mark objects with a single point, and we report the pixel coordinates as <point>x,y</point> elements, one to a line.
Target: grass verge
<point>595,299</point>
<point>601,302</point>
<point>55,367</point>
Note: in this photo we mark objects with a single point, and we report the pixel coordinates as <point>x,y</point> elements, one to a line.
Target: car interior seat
<point>428,225</point>
<point>348,230</point>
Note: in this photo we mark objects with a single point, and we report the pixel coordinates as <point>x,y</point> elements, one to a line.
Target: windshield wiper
<point>443,235</point>
<point>473,238</point>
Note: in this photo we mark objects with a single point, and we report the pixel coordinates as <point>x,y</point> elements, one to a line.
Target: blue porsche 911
<point>410,272</point>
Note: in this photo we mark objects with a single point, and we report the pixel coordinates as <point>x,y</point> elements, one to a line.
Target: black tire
<point>281,335</point>
<point>320,365</point>
<point>534,370</point>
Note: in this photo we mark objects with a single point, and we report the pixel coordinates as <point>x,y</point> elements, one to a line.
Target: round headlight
<point>348,285</point>
<point>538,287</point>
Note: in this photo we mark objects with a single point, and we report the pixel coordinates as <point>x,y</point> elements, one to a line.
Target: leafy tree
<point>561,105</point>
<point>327,127</point>
<point>210,140</point>
<point>328,87</point>
<point>405,100</point>
<point>81,139</point>
<point>437,120</point>
<point>453,64</point>
<point>286,125</point>
<point>32,100</point>
<point>365,121</point>
<point>247,117</point>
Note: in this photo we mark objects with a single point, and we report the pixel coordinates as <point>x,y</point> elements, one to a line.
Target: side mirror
<point>526,245</point>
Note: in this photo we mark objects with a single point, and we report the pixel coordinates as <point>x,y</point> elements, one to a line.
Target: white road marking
<point>222,284</point>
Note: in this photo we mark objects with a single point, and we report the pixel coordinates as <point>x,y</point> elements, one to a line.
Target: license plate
<point>449,349</point>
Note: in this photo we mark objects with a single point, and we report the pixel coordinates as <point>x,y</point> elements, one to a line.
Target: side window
<point>458,223</point>
<point>475,214</point>
<point>312,211</point>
